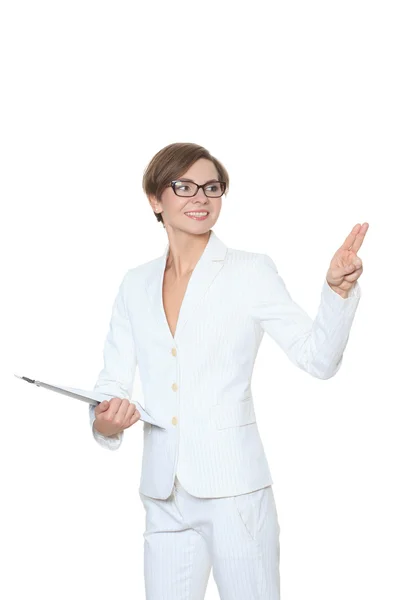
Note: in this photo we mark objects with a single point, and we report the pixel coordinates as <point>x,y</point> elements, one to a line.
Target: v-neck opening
<point>161,287</point>
<point>183,299</point>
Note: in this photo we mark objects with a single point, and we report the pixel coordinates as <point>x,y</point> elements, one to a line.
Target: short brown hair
<point>171,163</point>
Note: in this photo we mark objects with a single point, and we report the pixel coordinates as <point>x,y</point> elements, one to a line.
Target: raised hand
<point>346,267</point>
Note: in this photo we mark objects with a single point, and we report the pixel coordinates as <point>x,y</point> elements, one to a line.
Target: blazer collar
<point>207,268</point>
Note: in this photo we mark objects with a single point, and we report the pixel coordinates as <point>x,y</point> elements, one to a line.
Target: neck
<point>184,252</point>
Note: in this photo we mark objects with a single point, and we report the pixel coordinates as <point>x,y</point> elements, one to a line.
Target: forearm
<point>321,353</point>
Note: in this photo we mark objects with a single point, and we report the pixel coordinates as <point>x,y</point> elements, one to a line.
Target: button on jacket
<point>197,383</point>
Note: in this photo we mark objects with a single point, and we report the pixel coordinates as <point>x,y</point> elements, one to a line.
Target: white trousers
<point>238,536</point>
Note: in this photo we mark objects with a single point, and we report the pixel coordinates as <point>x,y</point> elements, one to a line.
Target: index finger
<point>355,237</point>
<point>115,406</point>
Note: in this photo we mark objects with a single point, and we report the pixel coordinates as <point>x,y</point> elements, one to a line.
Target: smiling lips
<point>197,215</point>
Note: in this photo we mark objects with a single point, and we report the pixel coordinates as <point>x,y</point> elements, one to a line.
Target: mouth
<point>200,215</point>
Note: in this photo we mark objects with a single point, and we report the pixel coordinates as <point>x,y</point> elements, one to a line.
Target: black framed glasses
<point>188,188</point>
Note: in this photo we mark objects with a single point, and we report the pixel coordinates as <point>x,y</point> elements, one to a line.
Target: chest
<point>173,293</point>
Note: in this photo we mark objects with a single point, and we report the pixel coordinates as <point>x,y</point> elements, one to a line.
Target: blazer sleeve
<point>117,375</point>
<point>314,346</point>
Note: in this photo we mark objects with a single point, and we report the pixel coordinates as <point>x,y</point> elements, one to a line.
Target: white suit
<point>197,384</point>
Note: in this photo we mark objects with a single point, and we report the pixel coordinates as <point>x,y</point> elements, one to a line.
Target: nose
<point>198,197</point>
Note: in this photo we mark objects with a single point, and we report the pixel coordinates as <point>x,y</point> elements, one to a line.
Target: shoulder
<point>251,260</point>
<point>134,278</point>
<point>141,271</point>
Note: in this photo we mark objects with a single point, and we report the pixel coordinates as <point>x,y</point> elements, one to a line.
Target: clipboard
<point>91,397</point>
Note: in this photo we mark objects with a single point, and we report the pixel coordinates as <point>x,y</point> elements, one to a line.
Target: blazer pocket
<point>234,414</point>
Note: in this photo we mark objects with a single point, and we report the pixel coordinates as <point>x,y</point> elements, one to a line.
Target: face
<point>174,207</point>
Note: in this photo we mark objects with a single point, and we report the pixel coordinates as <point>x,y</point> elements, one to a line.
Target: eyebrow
<point>209,181</point>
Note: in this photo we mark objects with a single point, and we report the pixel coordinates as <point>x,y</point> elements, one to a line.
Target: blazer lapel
<point>207,268</point>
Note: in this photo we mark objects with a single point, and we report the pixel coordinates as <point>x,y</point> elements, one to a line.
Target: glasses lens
<point>214,189</point>
<point>187,188</point>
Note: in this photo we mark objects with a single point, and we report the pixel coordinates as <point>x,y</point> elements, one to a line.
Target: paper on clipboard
<point>91,397</point>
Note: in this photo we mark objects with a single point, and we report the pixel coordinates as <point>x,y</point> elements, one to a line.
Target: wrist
<point>109,435</point>
<point>343,293</point>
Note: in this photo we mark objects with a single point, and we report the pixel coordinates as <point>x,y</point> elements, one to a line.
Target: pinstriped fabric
<point>119,364</point>
<point>197,383</point>
<point>237,536</point>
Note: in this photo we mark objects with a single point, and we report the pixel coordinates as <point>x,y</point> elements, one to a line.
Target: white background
<point>300,101</point>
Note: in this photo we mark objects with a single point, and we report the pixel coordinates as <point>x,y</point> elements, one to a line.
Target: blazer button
<point>173,351</point>
<point>174,420</point>
<point>174,387</point>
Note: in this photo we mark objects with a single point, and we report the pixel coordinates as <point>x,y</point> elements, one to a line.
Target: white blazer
<point>197,384</point>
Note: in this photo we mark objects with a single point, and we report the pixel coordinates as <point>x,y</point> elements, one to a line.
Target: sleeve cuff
<point>336,300</point>
<point>111,443</point>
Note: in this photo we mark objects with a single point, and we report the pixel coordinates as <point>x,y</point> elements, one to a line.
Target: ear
<point>154,203</point>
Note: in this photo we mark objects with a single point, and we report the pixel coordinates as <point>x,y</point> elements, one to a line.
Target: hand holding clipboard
<point>91,397</point>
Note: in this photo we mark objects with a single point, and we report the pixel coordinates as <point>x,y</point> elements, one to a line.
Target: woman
<point>193,320</point>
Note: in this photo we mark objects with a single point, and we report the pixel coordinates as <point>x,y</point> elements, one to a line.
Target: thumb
<point>102,407</point>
